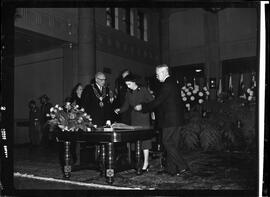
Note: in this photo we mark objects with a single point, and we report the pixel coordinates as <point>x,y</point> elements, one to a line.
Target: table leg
<point>102,157</point>
<point>138,157</point>
<point>97,152</point>
<point>110,163</point>
<point>129,153</point>
<point>67,166</point>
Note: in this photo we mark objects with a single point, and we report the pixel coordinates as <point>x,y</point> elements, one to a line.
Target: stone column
<point>86,45</point>
<point>212,49</point>
<point>67,69</point>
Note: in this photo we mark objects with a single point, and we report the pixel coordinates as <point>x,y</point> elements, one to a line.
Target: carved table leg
<point>102,157</point>
<point>110,163</point>
<point>138,157</point>
<point>67,166</point>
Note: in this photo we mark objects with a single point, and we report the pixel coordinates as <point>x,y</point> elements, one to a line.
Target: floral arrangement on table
<point>192,95</point>
<point>69,118</point>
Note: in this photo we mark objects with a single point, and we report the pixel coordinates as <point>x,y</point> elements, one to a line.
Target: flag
<point>253,81</point>
<point>219,88</point>
<point>241,87</point>
<point>230,91</point>
<point>194,82</point>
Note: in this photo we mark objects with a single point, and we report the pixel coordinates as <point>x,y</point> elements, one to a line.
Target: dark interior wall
<point>186,34</point>
<point>237,34</point>
<point>35,75</point>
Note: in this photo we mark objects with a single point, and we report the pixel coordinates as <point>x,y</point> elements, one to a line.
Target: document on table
<point>125,126</point>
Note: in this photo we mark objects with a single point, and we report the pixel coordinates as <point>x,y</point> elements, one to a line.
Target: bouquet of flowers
<point>192,95</point>
<point>249,94</point>
<point>70,118</point>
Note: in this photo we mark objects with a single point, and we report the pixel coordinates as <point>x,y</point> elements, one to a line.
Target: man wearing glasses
<point>95,100</point>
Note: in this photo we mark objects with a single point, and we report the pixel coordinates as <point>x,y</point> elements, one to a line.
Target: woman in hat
<point>138,94</point>
<point>121,90</point>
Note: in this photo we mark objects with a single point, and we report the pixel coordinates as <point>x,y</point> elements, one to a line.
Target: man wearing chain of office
<point>96,101</point>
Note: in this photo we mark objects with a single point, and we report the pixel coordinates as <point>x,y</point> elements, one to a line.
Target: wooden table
<point>106,139</point>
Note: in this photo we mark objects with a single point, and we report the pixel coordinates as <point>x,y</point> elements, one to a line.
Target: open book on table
<point>125,126</point>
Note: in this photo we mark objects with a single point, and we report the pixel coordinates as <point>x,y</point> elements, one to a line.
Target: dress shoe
<point>184,172</point>
<point>146,169</point>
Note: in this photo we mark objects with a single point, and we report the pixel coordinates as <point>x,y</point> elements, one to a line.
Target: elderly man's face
<point>160,74</point>
<point>101,80</point>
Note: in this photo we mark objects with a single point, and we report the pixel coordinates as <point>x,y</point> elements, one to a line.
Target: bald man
<point>96,101</point>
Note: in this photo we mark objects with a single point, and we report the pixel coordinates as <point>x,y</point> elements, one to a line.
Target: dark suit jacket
<point>44,109</point>
<point>169,104</point>
<point>91,105</point>
<point>77,100</point>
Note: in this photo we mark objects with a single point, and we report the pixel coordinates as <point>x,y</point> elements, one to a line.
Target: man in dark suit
<point>45,107</point>
<point>95,100</point>
<point>168,101</point>
<point>99,105</point>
